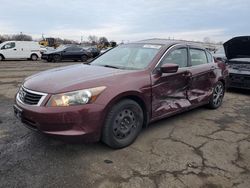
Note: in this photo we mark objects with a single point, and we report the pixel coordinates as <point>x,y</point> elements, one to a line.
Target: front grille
<point>30,97</point>
<point>239,80</point>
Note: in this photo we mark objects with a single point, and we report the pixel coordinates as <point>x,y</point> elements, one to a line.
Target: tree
<point>5,38</point>
<point>206,40</point>
<point>103,40</point>
<point>113,43</point>
<point>93,39</point>
<point>21,37</point>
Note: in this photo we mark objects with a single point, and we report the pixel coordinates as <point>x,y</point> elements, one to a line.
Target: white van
<point>20,50</point>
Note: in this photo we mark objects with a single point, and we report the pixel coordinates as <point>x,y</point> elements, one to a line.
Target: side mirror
<point>169,68</point>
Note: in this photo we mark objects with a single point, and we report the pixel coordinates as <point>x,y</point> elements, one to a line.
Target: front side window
<point>128,56</point>
<point>68,49</point>
<point>177,56</point>
<point>198,57</point>
<point>8,46</point>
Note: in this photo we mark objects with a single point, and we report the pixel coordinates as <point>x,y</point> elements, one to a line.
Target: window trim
<point>169,50</point>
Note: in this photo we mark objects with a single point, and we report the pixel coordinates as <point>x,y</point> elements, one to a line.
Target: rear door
<point>169,90</point>
<point>202,76</point>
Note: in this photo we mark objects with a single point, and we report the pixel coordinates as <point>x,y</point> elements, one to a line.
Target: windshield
<point>128,56</point>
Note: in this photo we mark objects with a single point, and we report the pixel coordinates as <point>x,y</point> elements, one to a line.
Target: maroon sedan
<point>126,88</point>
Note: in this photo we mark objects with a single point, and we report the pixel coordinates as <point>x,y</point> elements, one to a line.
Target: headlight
<point>76,97</point>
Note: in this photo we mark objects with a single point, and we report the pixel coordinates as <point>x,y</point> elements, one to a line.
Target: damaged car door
<point>203,76</point>
<point>169,90</point>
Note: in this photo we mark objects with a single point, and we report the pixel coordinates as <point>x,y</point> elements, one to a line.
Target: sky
<point>127,20</point>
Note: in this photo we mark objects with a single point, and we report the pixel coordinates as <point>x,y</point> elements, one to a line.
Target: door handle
<point>14,49</point>
<point>188,74</point>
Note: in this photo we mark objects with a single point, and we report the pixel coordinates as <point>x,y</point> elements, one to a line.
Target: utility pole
<point>81,39</point>
<point>21,36</point>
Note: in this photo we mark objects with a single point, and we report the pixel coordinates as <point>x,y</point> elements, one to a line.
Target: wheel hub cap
<point>125,122</point>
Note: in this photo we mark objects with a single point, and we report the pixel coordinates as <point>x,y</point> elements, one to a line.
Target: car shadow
<point>79,146</point>
<point>239,91</point>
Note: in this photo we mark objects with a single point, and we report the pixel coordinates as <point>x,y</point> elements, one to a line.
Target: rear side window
<point>209,57</point>
<point>69,49</point>
<point>177,56</point>
<point>198,57</point>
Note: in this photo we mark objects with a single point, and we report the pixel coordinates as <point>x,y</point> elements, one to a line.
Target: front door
<point>71,53</point>
<point>10,51</point>
<point>169,90</point>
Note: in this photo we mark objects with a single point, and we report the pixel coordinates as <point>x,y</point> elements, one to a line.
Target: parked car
<point>93,51</point>
<point>238,54</point>
<point>121,91</point>
<point>20,50</point>
<point>66,53</point>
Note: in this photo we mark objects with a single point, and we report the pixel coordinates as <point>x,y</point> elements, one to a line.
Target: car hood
<point>238,47</point>
<point>71,78</point>
<point>52,51</point>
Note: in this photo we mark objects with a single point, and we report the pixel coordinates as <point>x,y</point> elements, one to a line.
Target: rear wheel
<point>1,58</point>
<point>84,58</point>
<point>123,124</point>
<point>217,96</point>
<point>57,58</point>
<point>34,57</point>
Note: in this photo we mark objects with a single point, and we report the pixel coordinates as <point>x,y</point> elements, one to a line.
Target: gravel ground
<point>201,148</point>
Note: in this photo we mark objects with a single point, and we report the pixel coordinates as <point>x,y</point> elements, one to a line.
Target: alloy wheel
<point>218,94</point>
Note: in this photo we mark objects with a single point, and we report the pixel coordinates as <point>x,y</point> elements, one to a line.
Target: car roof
<point>170,42</point>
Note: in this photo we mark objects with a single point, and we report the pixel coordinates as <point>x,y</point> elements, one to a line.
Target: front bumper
<point>45,57</point>
<point>83,121</point>
<point>239,81</point>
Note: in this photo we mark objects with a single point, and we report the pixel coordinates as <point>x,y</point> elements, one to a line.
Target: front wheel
<point>84,58</point>
<point>57,58</point>
<point>123,124</point>
<point>34,57</point>
<point>217,96</point>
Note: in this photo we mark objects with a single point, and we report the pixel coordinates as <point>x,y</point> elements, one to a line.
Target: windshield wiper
<point>111,66</point>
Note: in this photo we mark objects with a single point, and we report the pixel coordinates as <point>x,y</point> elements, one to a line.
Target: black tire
<point>217,96</point>
<point>84,58</point>
<point>1,58</point>
<point>56,58</point>
<point>123,124</point>
<point>33,57</point>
